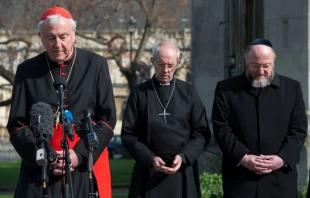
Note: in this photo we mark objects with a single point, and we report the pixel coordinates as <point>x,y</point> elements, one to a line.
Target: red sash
<point>101,168</point>
<point>57,137</point>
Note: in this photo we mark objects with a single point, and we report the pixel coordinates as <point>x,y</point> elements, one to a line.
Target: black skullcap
<point>261,41</point>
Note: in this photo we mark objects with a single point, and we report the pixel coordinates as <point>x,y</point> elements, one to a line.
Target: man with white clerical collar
<point>165,129</point>
<point>87,84</point>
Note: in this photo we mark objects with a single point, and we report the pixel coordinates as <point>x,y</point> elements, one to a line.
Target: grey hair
<point>163,43</point>
<point>250,47</point>
<point>53,19</point>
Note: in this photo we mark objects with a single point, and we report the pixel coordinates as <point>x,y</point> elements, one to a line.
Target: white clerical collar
<point>69,57</point>
<point>164,84</point>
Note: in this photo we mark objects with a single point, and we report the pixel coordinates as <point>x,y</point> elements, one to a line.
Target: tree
<point>100,16</point>
<point>156,14</point>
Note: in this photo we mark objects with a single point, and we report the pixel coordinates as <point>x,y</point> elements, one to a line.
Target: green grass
<point>120,172</point>
<point>9,172</point>
<point>9,196</point>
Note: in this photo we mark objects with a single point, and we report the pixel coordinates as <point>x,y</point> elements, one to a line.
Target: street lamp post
<point>131,29</point>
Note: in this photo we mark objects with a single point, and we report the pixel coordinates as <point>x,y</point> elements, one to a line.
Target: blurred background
<point>211,34</point>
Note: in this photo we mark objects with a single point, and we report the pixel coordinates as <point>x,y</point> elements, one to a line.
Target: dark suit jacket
<point>272,122</point>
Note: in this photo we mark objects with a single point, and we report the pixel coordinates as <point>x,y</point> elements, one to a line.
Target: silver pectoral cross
<point>164,114</point>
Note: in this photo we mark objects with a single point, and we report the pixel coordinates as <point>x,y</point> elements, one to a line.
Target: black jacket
<point>270,121</point>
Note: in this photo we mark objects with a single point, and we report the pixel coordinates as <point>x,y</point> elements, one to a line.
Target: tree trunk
<point>145,38</point>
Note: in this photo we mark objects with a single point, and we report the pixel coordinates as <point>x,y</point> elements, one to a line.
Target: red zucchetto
<point>56,11</point>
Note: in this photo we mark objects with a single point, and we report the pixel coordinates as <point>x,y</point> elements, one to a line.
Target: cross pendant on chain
<point>164,114</point>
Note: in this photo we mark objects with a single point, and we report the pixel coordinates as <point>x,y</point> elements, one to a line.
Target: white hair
<point>53,19</point>
<point>163,43</point>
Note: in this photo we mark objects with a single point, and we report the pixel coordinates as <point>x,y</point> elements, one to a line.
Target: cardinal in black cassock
<point>165,129</point>
<point>88,85</point>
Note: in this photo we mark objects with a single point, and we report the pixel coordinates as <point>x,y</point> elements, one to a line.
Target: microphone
<point>67,124</point>
<point>60,85</point>
<point>68,115</point>
<point>59,81</point>
<point>51,154</point>
<point>91,135</point>
<point>88,122</point>
<point>42,120</point>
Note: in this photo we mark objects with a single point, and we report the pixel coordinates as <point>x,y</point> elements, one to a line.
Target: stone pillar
<point>208,47</point>
<point>288,29</point>
<point>209,36</point>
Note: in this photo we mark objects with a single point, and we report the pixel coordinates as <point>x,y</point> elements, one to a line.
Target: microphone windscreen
<point>60,80</point>
<point>68,115</point>
<point>42,120</point>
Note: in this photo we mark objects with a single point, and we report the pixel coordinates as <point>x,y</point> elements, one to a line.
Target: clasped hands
<point>262,164</point>
<point>59,165</point>
<point>159,165</point>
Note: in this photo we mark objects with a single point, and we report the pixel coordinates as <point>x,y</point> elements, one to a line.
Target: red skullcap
<point>56,11</point>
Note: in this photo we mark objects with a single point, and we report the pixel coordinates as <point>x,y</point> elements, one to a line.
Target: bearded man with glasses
<point>260,123</point>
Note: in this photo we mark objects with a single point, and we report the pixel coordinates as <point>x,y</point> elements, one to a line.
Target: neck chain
<point>164,108</point>
<point>70,68</point>
<point>57,114</point>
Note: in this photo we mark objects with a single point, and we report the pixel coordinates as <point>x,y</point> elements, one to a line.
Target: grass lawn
<point>9,172</point>
<point>120,172</point>
<point>9,196</point>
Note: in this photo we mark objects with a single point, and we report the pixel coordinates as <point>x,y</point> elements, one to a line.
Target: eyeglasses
<point>257,66</point>
<point>163,65</point>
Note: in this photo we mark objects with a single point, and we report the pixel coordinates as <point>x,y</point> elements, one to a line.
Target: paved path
<point>7,151</point>
<point>120,191</point>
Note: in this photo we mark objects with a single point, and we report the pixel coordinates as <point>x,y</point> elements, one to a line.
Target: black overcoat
<point>273,122</point>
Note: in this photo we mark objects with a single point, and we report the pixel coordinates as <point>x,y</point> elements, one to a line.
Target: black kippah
<point>261,41</point>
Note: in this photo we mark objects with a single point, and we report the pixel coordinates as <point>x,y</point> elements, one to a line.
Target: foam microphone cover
<point>42,121</point>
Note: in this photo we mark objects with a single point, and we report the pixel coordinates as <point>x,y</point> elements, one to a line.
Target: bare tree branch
<point>101,41</point>
<point>98,15</point>
<point>7,75</point>
<point>15,40</point>
<point>145,37</point>
<point>5,102</point>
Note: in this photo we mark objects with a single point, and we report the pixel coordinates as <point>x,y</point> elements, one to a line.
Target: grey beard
<point>260,83</point>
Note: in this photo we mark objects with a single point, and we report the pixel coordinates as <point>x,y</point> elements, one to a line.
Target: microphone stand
<point>91,193</point>
<point>42,161</point>
<point>44,180</point>
<point>64,145</point>
<point>92,141</point>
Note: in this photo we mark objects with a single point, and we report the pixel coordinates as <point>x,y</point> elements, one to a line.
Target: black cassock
<point>145,135</point>
<point>89,86</point>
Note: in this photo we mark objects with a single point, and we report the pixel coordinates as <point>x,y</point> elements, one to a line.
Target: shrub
<point>303,193</point>
<point>211,185</point>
